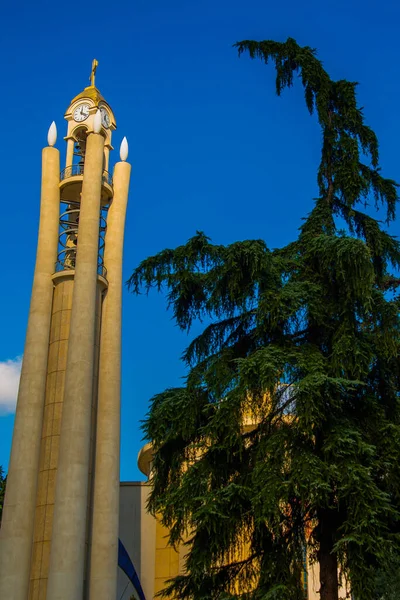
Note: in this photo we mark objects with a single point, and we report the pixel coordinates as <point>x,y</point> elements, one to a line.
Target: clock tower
<point>59,535</point>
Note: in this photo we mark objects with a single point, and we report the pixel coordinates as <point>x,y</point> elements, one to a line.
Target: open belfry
<point>59,534</point>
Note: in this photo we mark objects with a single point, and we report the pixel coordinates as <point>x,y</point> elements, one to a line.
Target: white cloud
<point>10,371</point>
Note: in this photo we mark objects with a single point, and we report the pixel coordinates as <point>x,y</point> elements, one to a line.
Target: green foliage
<point>304,341</point>
<point>387,580</point>
<point>3,480</point>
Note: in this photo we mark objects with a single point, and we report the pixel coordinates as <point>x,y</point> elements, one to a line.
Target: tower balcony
<point>71,179</point>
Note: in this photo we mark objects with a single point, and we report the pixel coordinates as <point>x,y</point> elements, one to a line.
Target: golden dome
<point>90,92</point>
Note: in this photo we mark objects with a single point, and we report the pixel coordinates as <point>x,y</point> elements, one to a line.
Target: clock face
<point>105,119</point>
<point>81,112</point>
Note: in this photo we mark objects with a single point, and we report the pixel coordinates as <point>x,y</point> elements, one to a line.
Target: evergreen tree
<point>304,340</point>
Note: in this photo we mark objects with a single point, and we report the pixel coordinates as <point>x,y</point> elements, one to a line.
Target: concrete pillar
<point>16,532</point>
<point>67,555</point>
<point>106,158</point>
<point>104,544</point>
<point>56,365</point>
<point>70,152</point>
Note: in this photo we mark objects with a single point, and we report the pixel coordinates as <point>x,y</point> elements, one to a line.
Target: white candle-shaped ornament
<point>123,151</point>
<point>52,134</point>
<point>97,122</point>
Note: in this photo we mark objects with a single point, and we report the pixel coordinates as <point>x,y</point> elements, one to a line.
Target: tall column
<point>70,152</point>
<point>67,555</point>
<point>104,545</point>
<point>16,531</point>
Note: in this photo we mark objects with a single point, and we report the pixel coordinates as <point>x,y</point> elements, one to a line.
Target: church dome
<point>92,93</point>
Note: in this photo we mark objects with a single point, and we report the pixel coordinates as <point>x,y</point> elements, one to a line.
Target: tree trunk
<point>328,566</point>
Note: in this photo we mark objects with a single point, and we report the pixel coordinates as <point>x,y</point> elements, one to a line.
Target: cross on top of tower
<point>95,64</point>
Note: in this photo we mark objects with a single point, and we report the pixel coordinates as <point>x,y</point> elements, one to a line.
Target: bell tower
<point>59,535</point>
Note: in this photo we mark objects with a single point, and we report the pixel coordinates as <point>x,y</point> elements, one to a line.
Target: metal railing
<point>107,178</point>
<point>71,171</point>
<point>76,170</point>
<point>69,235</point>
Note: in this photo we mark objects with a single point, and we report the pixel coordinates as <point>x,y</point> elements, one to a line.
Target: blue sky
<point>212,148</point>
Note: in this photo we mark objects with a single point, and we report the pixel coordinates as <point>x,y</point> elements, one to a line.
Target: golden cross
<point>95,64</point>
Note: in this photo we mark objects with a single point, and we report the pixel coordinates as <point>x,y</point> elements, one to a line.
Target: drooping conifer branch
<point>343,178</point>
